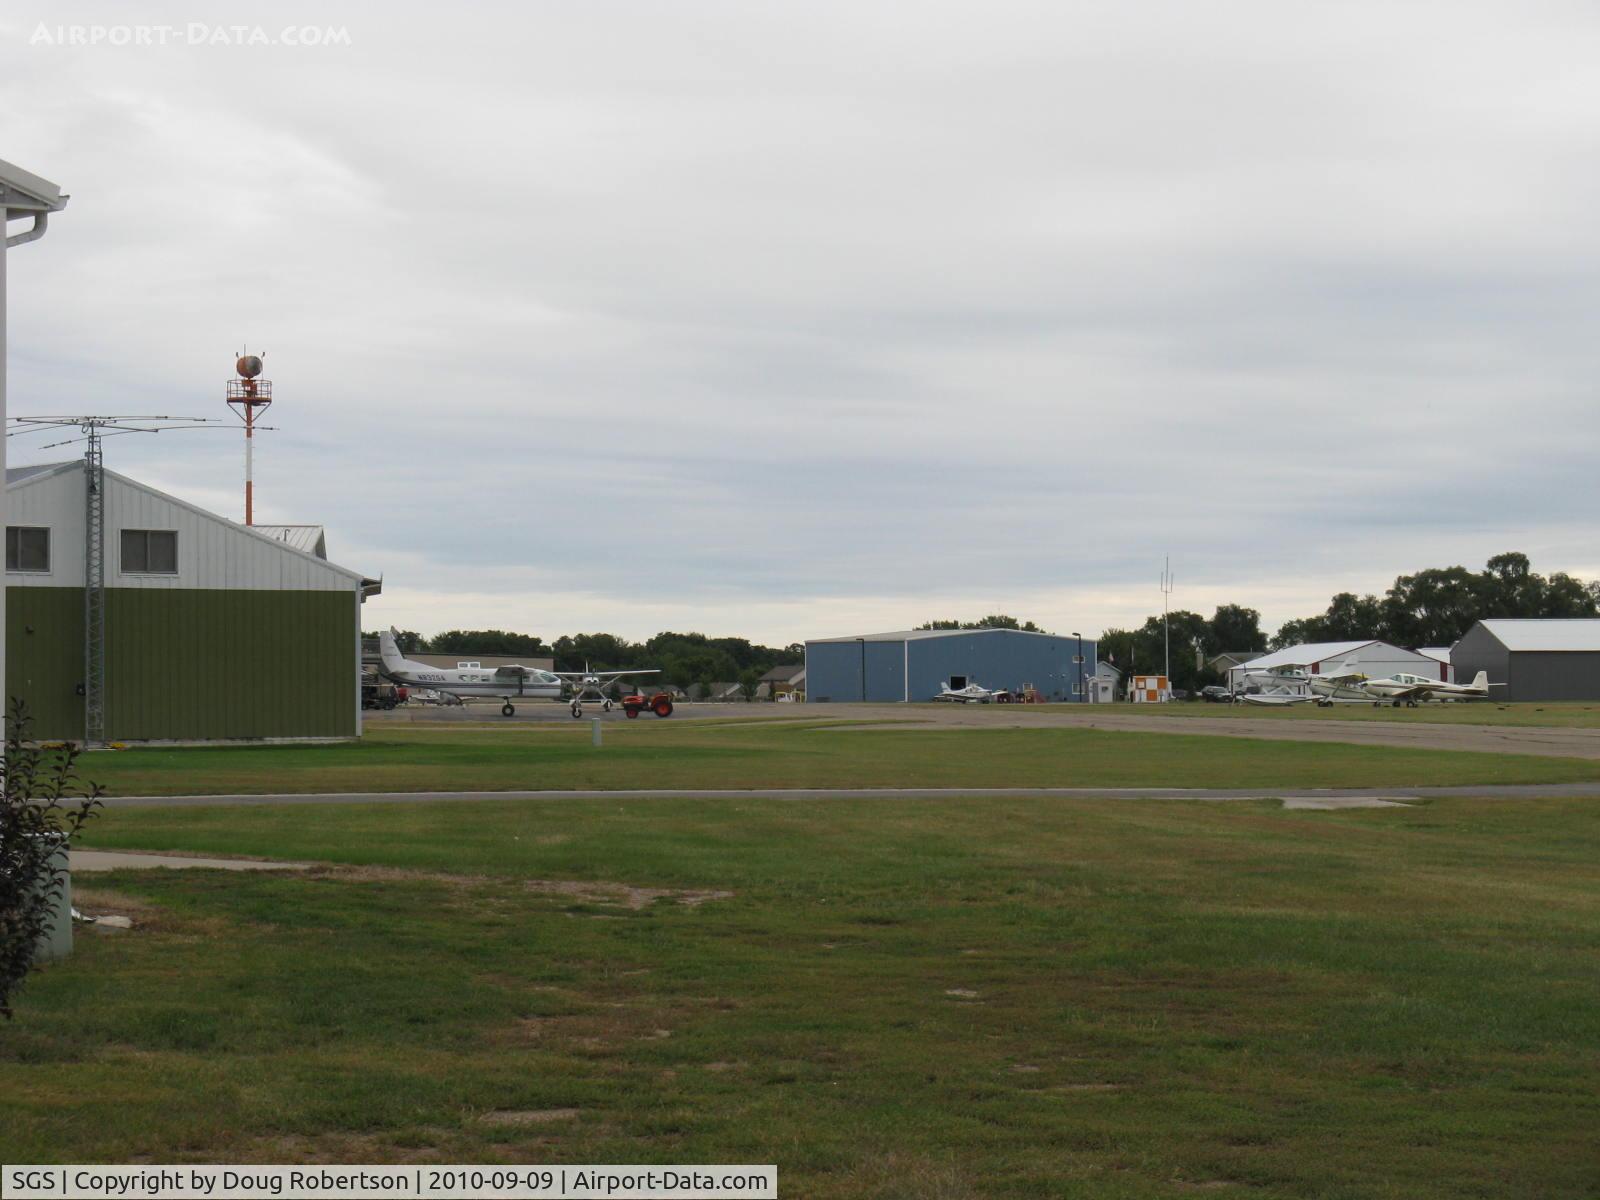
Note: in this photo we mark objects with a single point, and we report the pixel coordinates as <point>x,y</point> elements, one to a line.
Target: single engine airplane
<point>590,685</point>
<point>971,694</point>
<point>508,683</point>
<point>1410,689</point>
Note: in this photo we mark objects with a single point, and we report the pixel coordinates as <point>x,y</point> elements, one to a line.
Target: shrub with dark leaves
<point>42,807</point>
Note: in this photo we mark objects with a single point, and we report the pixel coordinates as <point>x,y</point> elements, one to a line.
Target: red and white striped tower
<point>246,394</point>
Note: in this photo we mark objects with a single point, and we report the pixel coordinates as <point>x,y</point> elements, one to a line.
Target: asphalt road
<point>1348,795</point>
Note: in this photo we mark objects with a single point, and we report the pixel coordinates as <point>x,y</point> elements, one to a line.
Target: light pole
<point>1077,688</point>
<point>22,195</point>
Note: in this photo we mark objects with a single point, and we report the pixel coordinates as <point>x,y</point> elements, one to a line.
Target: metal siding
<point>994,658</point>
<point>55,502</point>
<point>833,672</point>
<point>212,551</point>
<point>1552,675</point>
<point>207,663</point>
<point>1479,650</point>
<point>45,666</point>
<point>886,663</point>
<point>998,659</point>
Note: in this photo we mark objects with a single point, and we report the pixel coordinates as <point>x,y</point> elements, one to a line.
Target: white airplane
<point>971,694</point>
<point>588,685</point>
<point>1341,685</point>
<point>1278,697</point>
<point>508,683</point>
<point>1409,689</point>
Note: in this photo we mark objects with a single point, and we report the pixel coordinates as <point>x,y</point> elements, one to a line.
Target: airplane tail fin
<point>389,650</point>
<point>1481,680</point>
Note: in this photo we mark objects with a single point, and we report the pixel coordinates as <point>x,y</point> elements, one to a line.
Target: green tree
<point>994,621</point>
<point>1436,606</point>
<point>749,683</point>
<point>1234,627</point>
<point>407,641</point>
<point>488,641</point>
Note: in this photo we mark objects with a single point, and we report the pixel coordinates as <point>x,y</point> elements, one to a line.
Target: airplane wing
<point>1419,692</point>
<point>604,674</point>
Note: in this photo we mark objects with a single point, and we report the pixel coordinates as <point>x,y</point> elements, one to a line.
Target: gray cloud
<point>809,318</point>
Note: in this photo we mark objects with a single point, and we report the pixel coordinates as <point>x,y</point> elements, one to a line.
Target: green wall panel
<point>44,657</point>
<point>188,664</point>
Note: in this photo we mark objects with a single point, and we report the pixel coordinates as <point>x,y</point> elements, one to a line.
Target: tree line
<point>1433,607</point>
<point>1437,606</point>
<point>686,660</point>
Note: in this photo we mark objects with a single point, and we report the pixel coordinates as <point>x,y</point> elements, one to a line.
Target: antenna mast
<point>1166,618</point>
<point>93,431</point>
<point>246,394</point>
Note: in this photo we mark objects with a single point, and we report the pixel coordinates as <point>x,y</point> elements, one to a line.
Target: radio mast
<point>246,394</point>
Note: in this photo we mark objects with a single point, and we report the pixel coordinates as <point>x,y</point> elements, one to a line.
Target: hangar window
<point>149,552</point>
<point>27,548</point>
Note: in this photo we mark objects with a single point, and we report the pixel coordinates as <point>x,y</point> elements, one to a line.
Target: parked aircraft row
<point>1343,685</point>
<point>507,683</point>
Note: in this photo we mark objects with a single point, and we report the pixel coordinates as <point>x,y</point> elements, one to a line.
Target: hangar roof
<point>28,476</point>
<point>1307,653</point>
<point>912,635</point>
<point>18,474</point>
<point>1550,633</point>
<point>1442,653</point>
<point>310,539</point>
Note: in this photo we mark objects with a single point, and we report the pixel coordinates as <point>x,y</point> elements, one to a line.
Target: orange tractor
<point>660,704</point>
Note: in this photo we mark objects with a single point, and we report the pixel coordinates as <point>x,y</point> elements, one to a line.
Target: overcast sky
<point>789,320</point>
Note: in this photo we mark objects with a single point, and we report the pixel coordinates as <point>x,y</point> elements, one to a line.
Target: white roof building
<point>1440,654</point>
<point>1541,659</point>
<point>1372,658</point>
<point>1579,635</point>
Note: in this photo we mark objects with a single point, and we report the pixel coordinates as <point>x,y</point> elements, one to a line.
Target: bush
<point>42,805</point>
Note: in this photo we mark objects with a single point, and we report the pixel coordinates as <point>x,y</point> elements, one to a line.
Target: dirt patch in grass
<point>909,1177</point>
<point>626,895</point>
<point>416,1144</point>
<point>586,891</point>
<point>97,901</point>
<point>517,1118</point>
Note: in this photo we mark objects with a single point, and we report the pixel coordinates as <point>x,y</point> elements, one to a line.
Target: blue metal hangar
<point>917,664</point>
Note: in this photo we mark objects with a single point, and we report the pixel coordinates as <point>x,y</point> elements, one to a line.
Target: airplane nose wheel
<point>606,707</point>
<point>577,711</point>
<point>507,709</point>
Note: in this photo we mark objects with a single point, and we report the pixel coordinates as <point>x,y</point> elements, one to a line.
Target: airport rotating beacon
<point>246,394</point>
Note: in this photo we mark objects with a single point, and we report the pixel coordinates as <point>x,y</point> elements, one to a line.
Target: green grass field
<point>733,754</point>
<point>933,1000</point>
<point>1559,714</point>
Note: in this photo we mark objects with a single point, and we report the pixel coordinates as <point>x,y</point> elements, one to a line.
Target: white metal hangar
<point>1374,659</point>
<point>916,664</point>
